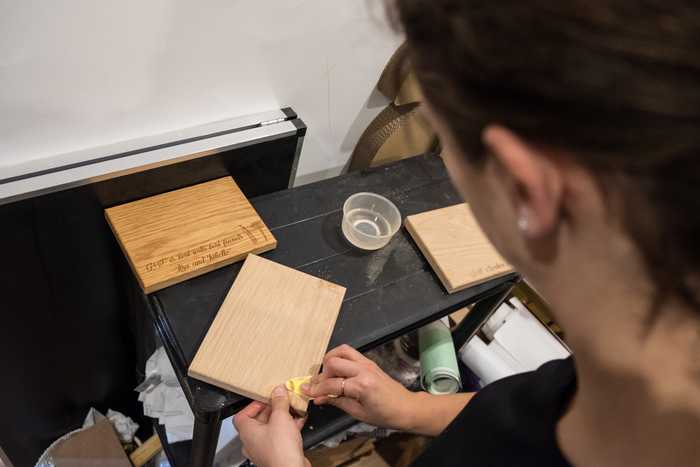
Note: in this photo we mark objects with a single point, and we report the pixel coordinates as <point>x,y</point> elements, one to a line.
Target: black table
<point>389,292</point>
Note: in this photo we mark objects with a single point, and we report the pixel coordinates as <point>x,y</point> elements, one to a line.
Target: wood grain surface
<point>455,246</point>
<point>175,236</point>
<point>274,325</point>
<point>147,451</point>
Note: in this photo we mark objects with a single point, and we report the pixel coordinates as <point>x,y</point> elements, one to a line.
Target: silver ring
<point>342,388</point>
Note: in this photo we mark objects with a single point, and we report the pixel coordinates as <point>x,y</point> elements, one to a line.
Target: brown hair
<point>616,82</point>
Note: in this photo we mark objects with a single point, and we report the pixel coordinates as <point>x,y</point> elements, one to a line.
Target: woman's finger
<point>327,386</point>
<point>347,352</point>
<point>279,401</point>
<point>319,377</point>
<point>352,389</point>
<point>245,425</point>
<point>299,422</point>
<point>264,415</point>
<point>334,387</point>
<point>340,367</point>
<point>253,409</point>
<point>320,400</point>
<point>314,380</point>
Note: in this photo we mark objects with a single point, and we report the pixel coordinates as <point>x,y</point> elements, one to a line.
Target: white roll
<point>496,320</point>
<point>486,364</point>
<point>524,337</point>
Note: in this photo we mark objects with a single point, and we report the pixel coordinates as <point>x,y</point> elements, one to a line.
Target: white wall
<point>81,73</point>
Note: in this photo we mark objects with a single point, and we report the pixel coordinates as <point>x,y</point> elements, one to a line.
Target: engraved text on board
<point>489,269</point>
<point>211,252</point>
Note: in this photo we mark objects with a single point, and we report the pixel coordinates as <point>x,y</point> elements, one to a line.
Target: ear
<point>536,179</point>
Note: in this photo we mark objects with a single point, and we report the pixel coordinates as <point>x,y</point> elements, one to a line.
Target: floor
<point>373,460</point>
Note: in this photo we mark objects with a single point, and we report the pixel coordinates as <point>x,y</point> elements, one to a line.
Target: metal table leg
<point>479,314</point>
<point>204,438</point>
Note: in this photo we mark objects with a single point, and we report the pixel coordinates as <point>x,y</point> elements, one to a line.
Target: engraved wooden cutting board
<point>175,236</point>
<point>274,325</point>
<point>455,246</point>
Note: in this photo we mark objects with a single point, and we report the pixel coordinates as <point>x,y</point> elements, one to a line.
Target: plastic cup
<point>370,220</point>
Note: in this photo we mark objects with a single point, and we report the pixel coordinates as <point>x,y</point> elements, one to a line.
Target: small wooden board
<point>174,236</point>
<point>274,325</point>
<point>147,451</point>
<point>456,247</point>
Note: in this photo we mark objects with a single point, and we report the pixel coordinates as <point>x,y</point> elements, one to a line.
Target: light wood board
<point>175,236</point>
<point>456,247</point>
<point>147,451</point>
<point>274,325</point>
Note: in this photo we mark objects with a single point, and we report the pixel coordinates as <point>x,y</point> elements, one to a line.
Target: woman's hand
<point>271,436</point>
<point>356,385</point>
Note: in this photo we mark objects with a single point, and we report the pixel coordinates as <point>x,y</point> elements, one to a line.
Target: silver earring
<point>524,220</point>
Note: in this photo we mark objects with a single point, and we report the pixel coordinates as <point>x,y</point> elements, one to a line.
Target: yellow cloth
<point>294,385</point>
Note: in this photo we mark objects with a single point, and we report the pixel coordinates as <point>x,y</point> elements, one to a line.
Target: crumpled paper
<point>125,427</point>
<point>162,398</point>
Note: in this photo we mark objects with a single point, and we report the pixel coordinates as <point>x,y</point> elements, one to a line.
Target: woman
<point>572,128</point>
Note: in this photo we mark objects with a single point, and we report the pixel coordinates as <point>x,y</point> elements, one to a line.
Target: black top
<point>511,422</point>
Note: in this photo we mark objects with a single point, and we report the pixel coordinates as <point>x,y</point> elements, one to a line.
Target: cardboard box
<point>96,446</point>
